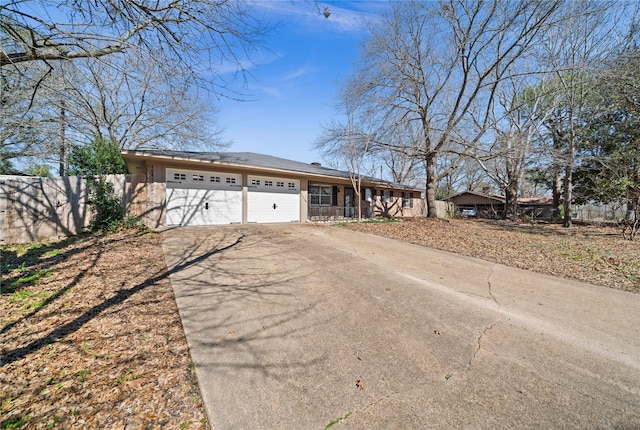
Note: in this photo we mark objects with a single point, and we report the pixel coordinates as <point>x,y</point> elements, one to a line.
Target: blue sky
<point>293,85</point>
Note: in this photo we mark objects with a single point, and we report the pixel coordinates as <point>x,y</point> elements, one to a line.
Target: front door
<point>349,202</point>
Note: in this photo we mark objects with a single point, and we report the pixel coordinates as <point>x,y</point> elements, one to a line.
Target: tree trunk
<point>63,143</point>
<point>431,187</point>
<point>631,224</point>
<point>511,201</point>
<point>359,197</point>
<point>556,170</point>
<point>568,185</point>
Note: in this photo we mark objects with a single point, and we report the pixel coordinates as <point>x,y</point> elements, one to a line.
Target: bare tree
<point>127,101</point>
<point>182,32</point>
<point>141,107</point>
<point>23,130</point>
<point>439,65</point>
<point>519,115</point>
<point>402,166</point>
<point>572,50</point>
<point>347,146</point>
<point>127,71</point>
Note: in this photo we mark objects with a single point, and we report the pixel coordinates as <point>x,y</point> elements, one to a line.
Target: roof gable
<point>490,196</point>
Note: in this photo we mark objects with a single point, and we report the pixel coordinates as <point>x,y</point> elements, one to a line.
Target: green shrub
<point>108,213</point>
<point>107,209</point>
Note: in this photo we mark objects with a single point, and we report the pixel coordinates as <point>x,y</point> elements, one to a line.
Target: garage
<point>203,198</point>
<point>272,199</point>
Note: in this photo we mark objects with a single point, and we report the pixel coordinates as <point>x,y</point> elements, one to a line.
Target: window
<point>268,183</point>
<point>320,195</point>
<point>370,194</point>
<point>387,196</point>
<point>214,178</point>
<point>231,180</point>
<point>255,182</point>
<point>407,200</point>
<point>179,176</point>
<point>198,178</point>
<point>279,184</point>
<point>292,185</point>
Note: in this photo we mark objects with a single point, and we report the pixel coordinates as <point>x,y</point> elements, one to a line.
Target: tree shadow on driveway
<point>237,305</point>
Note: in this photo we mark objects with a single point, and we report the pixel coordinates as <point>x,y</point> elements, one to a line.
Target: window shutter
<point>334,196</point>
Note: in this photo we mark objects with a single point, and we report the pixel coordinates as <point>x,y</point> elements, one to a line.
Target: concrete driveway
<point>302,326</point>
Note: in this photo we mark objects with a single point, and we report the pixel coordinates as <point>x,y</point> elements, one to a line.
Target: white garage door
<point>273,199</point>
<point>203,198</point>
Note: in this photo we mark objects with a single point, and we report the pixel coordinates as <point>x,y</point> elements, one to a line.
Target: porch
<point>329,202</point>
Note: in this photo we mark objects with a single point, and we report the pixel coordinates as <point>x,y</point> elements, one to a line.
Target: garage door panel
<point>273,200</point>
<point>176,201</point>
<point>203,207</point>
<point>273,207</point>
<point>202,180</point>
<point>222,207</point>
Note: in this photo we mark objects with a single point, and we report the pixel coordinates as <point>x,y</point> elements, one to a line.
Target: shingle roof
<point>491,196</point>
<point>533,201</point>
<point>260,160</point>
<point>527,201</point>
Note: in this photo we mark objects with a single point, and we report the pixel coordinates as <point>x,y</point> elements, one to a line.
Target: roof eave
<point>315,176</point>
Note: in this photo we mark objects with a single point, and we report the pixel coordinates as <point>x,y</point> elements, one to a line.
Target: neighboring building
<point>490,205</point>
<point>475,203</point>
<point>207,188</point>
<point>536,207</point>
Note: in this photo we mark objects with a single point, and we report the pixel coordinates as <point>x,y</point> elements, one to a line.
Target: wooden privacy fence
<point>444,209</point>
<point>38,209</point>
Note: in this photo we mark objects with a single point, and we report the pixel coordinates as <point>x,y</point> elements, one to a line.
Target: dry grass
<point>598,255</point>
<point>91,338</point>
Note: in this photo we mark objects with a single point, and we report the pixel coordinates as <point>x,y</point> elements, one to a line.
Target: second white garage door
<point>273,199</point>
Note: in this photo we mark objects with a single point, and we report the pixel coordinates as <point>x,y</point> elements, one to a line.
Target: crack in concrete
<point>491,273</point>
<point>484,330</point>
<point>381,399</point>
<point>481,333</point>
<point>375,402</point>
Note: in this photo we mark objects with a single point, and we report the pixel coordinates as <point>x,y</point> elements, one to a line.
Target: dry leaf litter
<point>97,341</point>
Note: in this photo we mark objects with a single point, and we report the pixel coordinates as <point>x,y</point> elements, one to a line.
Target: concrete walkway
<point>301,326</point>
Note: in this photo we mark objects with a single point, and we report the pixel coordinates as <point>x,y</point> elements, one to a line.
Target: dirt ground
<point>90,336</point>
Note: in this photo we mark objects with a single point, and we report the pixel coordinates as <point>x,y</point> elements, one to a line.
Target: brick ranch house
<point>209,188</point>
